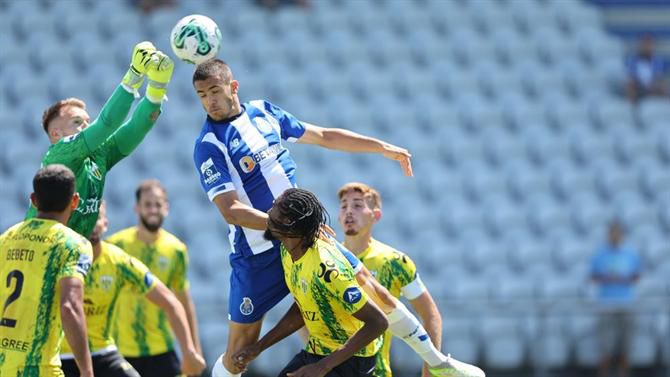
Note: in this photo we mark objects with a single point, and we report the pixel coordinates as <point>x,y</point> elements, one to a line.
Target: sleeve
<point>407,278</point>
<point>345,289</point>
<point>291,128</point>
<point>78,259</point>
<point>137,276</point>
<point>212,168</point>
<point>353,260</point>
<point>179,281</point>
<point>124,141</point>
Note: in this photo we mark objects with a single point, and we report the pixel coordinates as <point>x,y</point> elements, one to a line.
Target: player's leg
<point>256,285</point>
<point>113,365</point>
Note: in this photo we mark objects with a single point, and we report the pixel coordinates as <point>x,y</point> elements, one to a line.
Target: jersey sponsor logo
<point>209,172</point>
<point>14,345</point>
<point>246,307</point>
<point>235,143</point>
<point>247,164</point>
<point>88,206</point>
<point>106,282</point>
<point>352,295</point>
<point>328,271</point>
<point>310,316</point>
<point>83,264</point>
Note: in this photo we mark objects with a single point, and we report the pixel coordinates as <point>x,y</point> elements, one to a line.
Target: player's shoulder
<point>114,253</point>
<point>260,104</point>
<point>126,235</point>
<point>389,253</point>
<point>172,241</point>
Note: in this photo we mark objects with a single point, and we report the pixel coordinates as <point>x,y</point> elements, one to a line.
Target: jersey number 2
<point>18,275</point>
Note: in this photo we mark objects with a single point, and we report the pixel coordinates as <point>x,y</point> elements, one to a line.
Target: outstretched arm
<point>432,320</point>
<point>193,363</point>
<point>348,141</point>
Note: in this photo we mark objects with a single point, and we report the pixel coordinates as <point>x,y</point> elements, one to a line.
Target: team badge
<point>163,263</point>
<point>352,295</point>
<point>304,285</point>
<point>106,282</point>
<point>246,307</point>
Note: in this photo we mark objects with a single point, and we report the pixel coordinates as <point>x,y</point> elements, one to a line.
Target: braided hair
<point>302,214</point>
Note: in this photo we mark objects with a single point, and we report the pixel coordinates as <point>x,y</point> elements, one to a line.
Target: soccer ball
<point>195,39</point>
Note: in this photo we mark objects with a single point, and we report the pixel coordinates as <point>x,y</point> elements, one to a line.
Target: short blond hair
<point>372,197</point>
<point>54,110</point>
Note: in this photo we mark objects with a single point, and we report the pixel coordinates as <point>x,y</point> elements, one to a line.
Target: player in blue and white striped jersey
<point>243,167</point>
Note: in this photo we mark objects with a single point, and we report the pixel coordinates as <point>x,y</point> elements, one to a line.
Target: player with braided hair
<point>344,327</point>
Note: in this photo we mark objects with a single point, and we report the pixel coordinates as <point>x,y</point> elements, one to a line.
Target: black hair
<point>302,214</point>
<point>54,186</point>
<point>213,68</point>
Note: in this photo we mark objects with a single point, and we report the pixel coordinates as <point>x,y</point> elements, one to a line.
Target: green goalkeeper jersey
<point>91,153</point>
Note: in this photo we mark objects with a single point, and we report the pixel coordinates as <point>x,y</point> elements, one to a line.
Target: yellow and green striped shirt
<point>395,271</point>
<point>142,328</point>
<point>36,254</point>
<point>111,273</point>
<point>325,288</point>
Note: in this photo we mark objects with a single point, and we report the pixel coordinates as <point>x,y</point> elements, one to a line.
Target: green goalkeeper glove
<point>140,60</point>
<point>159,73</point>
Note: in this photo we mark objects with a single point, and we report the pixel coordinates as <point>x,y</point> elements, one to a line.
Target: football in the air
<point>195,39</point>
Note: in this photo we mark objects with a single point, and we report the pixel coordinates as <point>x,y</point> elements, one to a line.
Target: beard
<point>152,227</point>
<point>268,235</point>
<point>351,232</point>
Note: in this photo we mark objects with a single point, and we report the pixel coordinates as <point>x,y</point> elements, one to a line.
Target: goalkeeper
<point>91,149</point>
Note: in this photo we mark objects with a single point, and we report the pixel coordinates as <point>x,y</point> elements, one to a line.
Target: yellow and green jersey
<point>397,273</point>
<point>111,273</point>
<point>35,255</point>
<point>141,328</point>
<point>325,288</point>
<point>91,153</point>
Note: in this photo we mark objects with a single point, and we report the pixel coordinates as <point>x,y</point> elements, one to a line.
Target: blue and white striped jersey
<point>246,154</point>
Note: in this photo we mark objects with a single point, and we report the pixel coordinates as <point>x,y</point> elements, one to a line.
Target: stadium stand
<point>523,150</point>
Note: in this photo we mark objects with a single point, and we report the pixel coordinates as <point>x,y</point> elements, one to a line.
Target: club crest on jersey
<point>93,169</point>
<point>303,285</point>
<point>163,263</point>
<point>247,164</point>
<point>106,282</point>
<point>209,172</point>
<point>246,307</point>
<point>352,295</point>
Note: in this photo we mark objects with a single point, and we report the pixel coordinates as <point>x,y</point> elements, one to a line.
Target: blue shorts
<point>257,283</point>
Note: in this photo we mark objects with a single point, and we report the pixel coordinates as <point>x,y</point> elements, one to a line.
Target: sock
<point>405,326</point>
<point>219,370</point>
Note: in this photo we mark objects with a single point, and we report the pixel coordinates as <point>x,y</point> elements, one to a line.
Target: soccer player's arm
<point>76,147</point>
<point>155,291</point>
<point>124,141</point>
<point>216,182</point>
<point>355,302</point>
<point>71,281</point>
<point>413,288</point>
<point>291,322</point>
<point>180,287</point>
